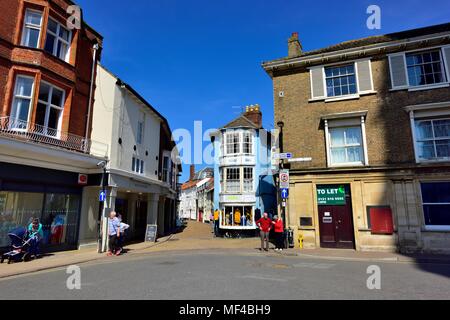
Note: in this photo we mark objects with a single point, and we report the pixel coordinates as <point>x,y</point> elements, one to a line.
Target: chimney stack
<point>192,172</point>
<point>253,113</point>
<point>294,46</point>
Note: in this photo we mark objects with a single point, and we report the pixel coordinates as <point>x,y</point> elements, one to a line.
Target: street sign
<point>102,196</point>
<point>284,179</point>
<point>286,155</point>
<point>306,159</point>
<point>331,195</point>
<point>284,193</point>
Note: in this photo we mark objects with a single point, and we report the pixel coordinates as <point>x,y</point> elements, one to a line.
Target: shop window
<point>17,209</point>
<point>436,205</point>
<point>237,216</point>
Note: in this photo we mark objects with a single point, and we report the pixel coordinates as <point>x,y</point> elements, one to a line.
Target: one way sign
<point>284,193</point>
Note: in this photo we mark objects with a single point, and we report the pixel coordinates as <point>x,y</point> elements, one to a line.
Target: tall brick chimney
<point>294,46</point>
<point>192,172</point>
<point>253,113</point>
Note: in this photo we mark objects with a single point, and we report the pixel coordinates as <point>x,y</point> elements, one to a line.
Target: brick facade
<point>74,76</point>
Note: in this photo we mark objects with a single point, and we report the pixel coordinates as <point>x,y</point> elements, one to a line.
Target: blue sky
<point>201,59</point>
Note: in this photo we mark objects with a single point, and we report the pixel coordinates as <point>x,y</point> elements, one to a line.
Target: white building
<point>141,178</point>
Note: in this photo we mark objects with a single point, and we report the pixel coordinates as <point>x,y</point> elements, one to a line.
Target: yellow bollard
<point>300,241</point>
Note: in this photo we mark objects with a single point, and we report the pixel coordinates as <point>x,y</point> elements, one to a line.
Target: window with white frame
<point>233,180</point>
<point>433,139</point>
<point>31,29</point>
<point>247,144</point>
<point>50,108</point>
<point>425,68</point>
<point>137,165</point>
<point>21,105</point>
<point>248,179</point>
<point>436,204</point>
<point>232,142</point>
<point>58,40</point>
<point>340,80</point>
<point>346,146</point>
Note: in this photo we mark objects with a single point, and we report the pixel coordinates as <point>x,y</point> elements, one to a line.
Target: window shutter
<point>317,83</point>
<point>365,82</point>
<point>446,52</point>
<point>398,71</point>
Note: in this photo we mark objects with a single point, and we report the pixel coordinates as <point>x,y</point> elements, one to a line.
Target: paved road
<point>231,275</point>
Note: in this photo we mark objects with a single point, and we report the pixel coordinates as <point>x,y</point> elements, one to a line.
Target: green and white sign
<point>331,195</point>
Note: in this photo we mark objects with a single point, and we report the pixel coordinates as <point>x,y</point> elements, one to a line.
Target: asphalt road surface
<point>248,275</point>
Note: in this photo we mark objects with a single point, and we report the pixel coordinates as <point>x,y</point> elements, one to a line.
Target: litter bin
<point>290,238</point>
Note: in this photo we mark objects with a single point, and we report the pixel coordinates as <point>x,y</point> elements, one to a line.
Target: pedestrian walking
<point>279,233</point>
<point>216,222</point>
<point>265,225</point>
<point>113,232</point>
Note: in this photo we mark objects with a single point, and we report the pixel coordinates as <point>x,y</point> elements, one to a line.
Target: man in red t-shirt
<point>264,224</point>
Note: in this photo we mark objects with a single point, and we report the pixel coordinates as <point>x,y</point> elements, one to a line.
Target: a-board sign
<point>151,232</point>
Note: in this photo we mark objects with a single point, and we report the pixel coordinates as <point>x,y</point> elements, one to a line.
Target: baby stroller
<point>19,246</point>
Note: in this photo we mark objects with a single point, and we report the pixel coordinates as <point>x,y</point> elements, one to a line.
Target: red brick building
<point>47,85</point>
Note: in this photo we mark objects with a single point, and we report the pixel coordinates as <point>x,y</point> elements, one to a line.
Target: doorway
<point>335,216</point>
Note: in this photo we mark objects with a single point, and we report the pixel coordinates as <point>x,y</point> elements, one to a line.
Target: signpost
<point>284,193</point>
<point>285,155</point>
<point>331,195</point>
<point>284,179</point>
<point>151,233</point>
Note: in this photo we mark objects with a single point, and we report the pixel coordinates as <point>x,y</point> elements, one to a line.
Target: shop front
<point>52,196</point>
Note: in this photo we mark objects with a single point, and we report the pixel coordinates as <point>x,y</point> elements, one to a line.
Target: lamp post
<point>280,125</point>
<point>102,208</point>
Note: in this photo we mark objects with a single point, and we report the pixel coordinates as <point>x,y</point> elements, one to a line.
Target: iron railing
<point>31,132</point>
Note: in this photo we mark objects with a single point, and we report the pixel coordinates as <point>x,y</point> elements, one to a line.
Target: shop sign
<point>331,195</point>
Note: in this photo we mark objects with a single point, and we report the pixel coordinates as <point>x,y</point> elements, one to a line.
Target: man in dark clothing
<point>264,224</point>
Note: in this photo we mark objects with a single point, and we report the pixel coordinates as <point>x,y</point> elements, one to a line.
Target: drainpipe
<point>94,64</point>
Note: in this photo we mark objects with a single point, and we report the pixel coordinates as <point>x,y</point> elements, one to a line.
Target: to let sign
<point>331,195</point>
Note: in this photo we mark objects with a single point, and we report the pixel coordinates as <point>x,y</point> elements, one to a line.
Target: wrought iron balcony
<point>31,132</point>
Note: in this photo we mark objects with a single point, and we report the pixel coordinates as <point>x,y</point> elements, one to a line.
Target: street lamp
<point>280,125</point>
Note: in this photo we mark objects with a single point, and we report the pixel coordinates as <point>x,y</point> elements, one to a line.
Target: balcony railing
<point>31,132</point>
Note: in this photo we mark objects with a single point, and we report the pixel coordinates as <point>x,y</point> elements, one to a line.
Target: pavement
<point>197,237</point>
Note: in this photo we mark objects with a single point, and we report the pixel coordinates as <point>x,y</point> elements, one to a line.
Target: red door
<point>336,224</point>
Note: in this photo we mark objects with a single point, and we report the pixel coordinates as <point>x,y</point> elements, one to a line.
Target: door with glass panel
<point>22,101</point>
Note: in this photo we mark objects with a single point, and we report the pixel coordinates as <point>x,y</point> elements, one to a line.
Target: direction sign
<point>102,196</point>
<point>305,159</point>
<point>286,155</point>
<point>284,179</point>
<point>284,193</point>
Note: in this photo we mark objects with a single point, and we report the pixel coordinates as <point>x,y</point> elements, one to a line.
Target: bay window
<point>49,109</point>
<point>233,180</point>
<point>248,179</point>
<point>58,40</point>
<point>31,28</point>
<point>247,146</point>
<point>21,105</point>
<point>232,142</point>
<point>433,139</point>
<point>436,205</point>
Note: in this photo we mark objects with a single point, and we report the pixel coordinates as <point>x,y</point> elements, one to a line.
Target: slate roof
<point>241,121</point>
<point>402,35</point>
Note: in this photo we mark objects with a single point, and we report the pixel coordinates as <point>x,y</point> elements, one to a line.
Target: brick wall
<point>74,77</point>
<point>387,124</point>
